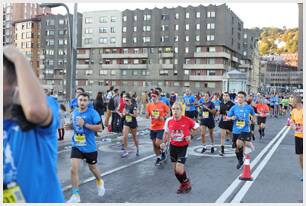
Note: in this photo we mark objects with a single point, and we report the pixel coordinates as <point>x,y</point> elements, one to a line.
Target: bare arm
<point>94,127</point>
<point>32,96</point>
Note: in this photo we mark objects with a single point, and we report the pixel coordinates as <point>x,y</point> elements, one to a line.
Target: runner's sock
<point>179,177</point>
<point>75,191</point>
<point>184,176</point>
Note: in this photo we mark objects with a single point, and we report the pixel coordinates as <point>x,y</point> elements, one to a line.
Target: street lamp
<point>70,56</point>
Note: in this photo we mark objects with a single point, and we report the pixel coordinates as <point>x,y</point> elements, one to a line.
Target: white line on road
<point>260,167</point>
<point>225,195</point>
<point>111,171</point>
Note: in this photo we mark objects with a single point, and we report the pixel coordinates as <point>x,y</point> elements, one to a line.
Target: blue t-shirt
<point>217,104</point>
<point>74,104</point>
<point>83,138</point>
<point>165,100</point>
<point>35,157</point>
<point>272,101</point>
<point>242,114</point>
<point>189,102</point>
<point>276,100</point>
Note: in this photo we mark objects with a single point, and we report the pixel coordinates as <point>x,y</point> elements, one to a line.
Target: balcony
<point>166,55</point>
<point>82,66</point>
<point>167,66</point>
<point>128,55</point>
<point>203,66</point>
<point>205,78</point>
<point>83,56</point>
<point>235,59</point>
<point>212,54</point>
<point>124,66</point>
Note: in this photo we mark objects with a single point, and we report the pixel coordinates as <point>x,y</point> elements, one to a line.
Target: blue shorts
<point>156,134</point>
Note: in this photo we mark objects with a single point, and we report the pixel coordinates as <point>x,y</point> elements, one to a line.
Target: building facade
<point>27,39</point>
<point>54,49</point>
<point>13,12</point>
<point>300,40</point>
<point>102,29</point>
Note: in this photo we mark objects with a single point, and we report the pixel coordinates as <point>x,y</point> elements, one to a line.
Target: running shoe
<point>101,188</point>
<point>181,188</point>
<point>212,149</point>
<point>204,149</point>
<point>124,154</point>
<point>163,156</point>
<point>240,163</point>
<point>137,152</point>
<point>75,198</point>
<point>157,163</point>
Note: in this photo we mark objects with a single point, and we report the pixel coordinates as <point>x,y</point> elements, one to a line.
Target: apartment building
<point>27,39</point>
<point>102,29</point>
<point>13,12</point>
<point>54,43</point>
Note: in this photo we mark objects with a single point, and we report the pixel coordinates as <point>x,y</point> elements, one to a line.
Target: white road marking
<point>263,163</point>
<point>225,195</point>
<point>111,171</point>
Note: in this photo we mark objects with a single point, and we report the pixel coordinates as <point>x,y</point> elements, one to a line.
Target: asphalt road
<point>274,167</point>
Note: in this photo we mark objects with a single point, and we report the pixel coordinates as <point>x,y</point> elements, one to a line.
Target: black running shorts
<point>261,120</point>
<point>298,145</point>
<point>243,136</point>
<point>190,114</point>
<point>178,154</point>
<point>91,157</point>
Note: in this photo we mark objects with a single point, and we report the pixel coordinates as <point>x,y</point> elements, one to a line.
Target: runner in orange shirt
<point>158,112</point>
<point>296,123</point>
<point>262,110</point>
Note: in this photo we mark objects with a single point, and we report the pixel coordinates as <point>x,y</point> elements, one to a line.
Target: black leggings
<point>61,133</point>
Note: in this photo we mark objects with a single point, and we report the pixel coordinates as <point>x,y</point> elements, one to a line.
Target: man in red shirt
<point>177,132</point>
<point>262,110</point>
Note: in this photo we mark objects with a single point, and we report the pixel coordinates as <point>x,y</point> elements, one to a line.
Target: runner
<point>240,113</point>
<point>297,125</point>
<point>177,129</point>
<point>285,104</point>
<point>189,102</point>
<point>86,121</point>
<point>225,126</point>
<point>262,111</point>
<point>158,112</point>
<point>129,115</point>
<point>216,101</point>
<point>207,121</point>
<point>250,102</point>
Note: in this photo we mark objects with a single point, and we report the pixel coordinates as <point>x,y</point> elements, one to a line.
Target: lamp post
<point>70,78</point>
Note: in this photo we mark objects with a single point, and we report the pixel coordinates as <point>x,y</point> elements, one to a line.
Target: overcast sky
<point>252,14</point>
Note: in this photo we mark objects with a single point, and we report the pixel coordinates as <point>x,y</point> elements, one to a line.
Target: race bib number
<point>205,115</point>
<point>13,195</point>
<point>240,123</point>
<point>155,114</point>
<point>128,118</point>
<point>80,139</point>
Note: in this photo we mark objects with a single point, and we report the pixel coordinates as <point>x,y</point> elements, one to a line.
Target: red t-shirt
<point>121,105</point>
<point>179,130</point>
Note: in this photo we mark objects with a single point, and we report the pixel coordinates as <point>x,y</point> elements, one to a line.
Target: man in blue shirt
<point>74,101</point>
<point>30,135</point>
<point>240,114</point>
<point>162,97</point>
<point>190,103</point>
<point>85,122</point>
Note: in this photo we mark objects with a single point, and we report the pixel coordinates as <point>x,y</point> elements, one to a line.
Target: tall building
<point>102,29</point>
<point>54,43</point>
<point>13,12</point>
<point>27,39</point>
<point>171,48</point>
<point>300,41</point>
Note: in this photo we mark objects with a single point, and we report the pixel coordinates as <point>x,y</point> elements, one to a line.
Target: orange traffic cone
<point>246,173</point>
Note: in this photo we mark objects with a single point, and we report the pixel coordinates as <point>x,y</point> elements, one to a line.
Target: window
<point>135,18</point>
<point>211,84</point>
<point>103,40</point>
<point>176,38</point>
<point>176,84</point>
<point>165,28</point>
<point>61,32</point>
<point>210,37</point>
<point>198,15</point>
<point>211,14</point>
<point>103,72</point>
<point>103,19</point>
<point>186,84</point>
<point>147,17</point>
<point>113,72</point>
<point>211,49</point>
<point>187,15</point>
<point>244,53</point>
<point>50,22</point>
<point>134,39</point>
<point>136,61</point>
<point>211,72</point>
<point>197,37</point>
<point>164,39</point>
<point>186,72</point>
<point>245,36</point>
<point>186,50</point>
<point>113,40</point>
<point>164,17</point>
<point>125,61</point>
<point>187,38</point>
<point>146,39</point>
<point>112,29</point>
<point>211,26</point>
<point>175,50</point>
<point>124,18</point>
<point>187,27</point>
<point>211,61</point>
<point>61,21</point>
<point>124,29</point>
<point>123,73</point>
<point>28,35</point>
<point>113,19</point>
<point>103,30</point>
<point>60,42</point>
<point>177,16</point>
<point>146,28</point>
<point>88,30</point>
<point>125,51</point>
<point>89,72</point>
<point>50,42</point>
<point>135,28</point>
<point>176,27</point>
<point>163,72</point>
<point>198,27</point>
<point>88,40</point>
<point>49,33</point>
<point>124,40</point>
<point>135,72</point>
<point>88,20</point>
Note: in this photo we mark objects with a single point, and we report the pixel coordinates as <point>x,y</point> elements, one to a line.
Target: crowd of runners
<point>34,121</point>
